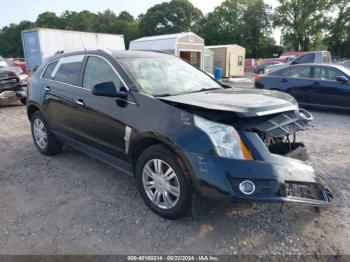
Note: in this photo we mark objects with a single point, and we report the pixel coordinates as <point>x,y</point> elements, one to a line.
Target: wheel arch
<point>142,142</point>
<point>31,109</point>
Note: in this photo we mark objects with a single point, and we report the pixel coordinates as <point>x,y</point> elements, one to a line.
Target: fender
<point>141,141</point>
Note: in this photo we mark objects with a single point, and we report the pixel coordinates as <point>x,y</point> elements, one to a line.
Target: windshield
<point>167,76</point>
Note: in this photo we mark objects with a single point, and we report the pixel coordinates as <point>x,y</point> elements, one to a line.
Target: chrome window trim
<point>80,87</point>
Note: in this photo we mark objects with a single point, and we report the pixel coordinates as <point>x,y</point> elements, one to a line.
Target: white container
<point>40,43</point>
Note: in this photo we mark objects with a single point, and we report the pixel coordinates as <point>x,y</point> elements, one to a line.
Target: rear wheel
<point>163,182</point>
<point>44,139</point>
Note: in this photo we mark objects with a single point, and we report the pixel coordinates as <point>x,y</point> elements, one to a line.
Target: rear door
<point>98,117</point>
<point>60,80</point>
<point>329,92</point>
<point>297,81</point>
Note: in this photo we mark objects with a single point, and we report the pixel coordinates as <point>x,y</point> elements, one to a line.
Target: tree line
<point>305,25</point>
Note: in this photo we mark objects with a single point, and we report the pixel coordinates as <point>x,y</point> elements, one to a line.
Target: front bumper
<point>278,180</point>
<point>10,96</point>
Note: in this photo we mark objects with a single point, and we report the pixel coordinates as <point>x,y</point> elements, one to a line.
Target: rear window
<point>298,72</point>
<point>68,70</point>
<point>304,59</point>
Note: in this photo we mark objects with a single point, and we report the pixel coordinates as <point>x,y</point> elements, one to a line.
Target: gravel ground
<point>74,204</point>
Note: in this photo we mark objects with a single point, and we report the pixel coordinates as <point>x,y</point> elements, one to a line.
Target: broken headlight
<point>225,139</point>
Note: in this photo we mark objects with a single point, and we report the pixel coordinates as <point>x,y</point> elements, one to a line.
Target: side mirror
<point>342,79</point>
<point>109,89</point>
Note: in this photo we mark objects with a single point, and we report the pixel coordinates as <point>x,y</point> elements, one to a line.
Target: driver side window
<point>98,71</point>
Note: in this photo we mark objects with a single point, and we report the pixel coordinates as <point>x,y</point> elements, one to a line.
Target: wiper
<point>203,90</point>
<point>163,95</point>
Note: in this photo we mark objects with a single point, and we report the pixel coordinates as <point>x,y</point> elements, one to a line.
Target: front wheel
<point>163,183</point>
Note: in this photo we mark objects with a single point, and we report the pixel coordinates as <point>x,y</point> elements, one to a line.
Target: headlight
<point>225,139</point>
<point>23,79</point>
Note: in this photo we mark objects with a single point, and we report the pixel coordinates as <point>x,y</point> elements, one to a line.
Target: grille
<point>283,125</point>
<point>302,190</point>
<point>8,82</point>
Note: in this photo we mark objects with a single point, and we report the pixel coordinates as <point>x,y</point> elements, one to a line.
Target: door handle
<point>284,80</point>
<point>47,88</point>
<point>79,102</point>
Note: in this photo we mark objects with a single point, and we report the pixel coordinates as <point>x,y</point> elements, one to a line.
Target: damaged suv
<point>174,128</point>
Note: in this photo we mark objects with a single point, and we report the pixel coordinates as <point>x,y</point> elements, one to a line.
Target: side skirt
<point>118,164</point>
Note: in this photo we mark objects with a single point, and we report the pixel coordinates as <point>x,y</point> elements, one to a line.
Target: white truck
<point>40,43</point>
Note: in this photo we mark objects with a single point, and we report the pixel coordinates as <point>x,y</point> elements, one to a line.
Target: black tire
<point>24,100</point>
<point>53,145</point>
<point>185,199</point>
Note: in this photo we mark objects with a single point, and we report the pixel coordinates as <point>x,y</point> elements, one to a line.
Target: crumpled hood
<point>244,102</point>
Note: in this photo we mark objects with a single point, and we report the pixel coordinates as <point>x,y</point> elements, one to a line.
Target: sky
<point>30,9</point>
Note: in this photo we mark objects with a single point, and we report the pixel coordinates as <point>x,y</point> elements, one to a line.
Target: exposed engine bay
<point>278,133</point>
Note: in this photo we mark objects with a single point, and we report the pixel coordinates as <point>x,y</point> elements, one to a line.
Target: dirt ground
<point>74,204</point>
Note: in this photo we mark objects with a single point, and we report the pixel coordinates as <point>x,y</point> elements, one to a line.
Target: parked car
<point>12,83</point>
<point>306,58</point>
<point>260,69</point>
<point>174,128</point>
<point>316,85</point>
<point>346,64</point>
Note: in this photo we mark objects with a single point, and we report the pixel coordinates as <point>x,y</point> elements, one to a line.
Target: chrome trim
<point>78,102</point>
<point>241,187</point>
<point>127,138</point>
<point>274,111</point>
<point>85,55</point>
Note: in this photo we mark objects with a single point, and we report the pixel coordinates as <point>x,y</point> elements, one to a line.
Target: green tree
<point>10,39</point>
<point>49,20</point>
<point>243,22</point>
<point>338,37</point>
<point>301,21</point>
<point>173,17</point>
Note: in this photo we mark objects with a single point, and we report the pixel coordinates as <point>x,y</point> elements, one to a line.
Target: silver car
<point>318,57</point>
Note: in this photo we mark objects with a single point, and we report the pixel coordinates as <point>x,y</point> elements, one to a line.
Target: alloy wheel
<point>40,134</point>
<point>161,184</point>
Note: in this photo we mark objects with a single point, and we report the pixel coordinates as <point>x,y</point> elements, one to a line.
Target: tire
<point>50,145</point>
<point>24,100</point>
<point>170,206</point>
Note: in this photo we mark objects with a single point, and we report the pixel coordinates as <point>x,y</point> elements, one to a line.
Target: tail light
<point>257,79</point>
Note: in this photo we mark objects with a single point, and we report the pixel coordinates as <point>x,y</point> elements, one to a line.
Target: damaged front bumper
<point>10,96</point>
<point>279,179</point>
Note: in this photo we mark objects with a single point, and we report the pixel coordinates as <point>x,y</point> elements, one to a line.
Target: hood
<point>243,102</point>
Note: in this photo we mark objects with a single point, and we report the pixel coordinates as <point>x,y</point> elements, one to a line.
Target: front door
<point>99,117</point>
<point>329,92</point>
<point>297,82</point>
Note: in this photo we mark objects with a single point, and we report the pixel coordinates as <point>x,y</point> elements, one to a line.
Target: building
<point>187,46</point>
<point>230,58</point>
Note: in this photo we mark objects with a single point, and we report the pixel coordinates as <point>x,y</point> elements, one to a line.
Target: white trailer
<point>40,43</point>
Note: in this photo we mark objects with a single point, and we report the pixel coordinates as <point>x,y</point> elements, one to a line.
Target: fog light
<point>247,187</point>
